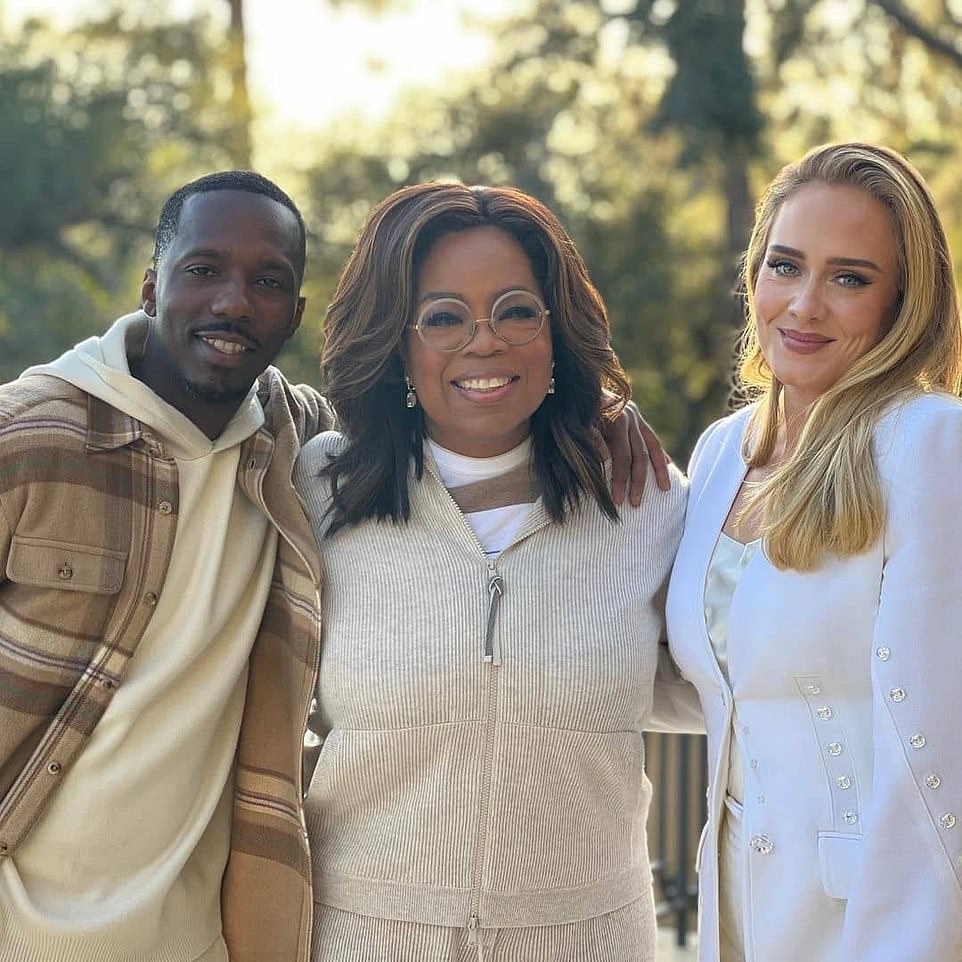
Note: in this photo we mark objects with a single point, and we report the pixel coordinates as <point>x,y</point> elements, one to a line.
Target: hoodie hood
<point>100,366</point>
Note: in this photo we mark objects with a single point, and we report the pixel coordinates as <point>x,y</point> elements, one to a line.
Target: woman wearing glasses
<point>492,624</point>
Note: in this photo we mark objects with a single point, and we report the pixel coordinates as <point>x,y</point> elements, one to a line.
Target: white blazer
<point>847,696</point>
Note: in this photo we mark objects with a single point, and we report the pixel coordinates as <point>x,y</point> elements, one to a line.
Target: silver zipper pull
<point>473,924</point>
<point>495,591</point>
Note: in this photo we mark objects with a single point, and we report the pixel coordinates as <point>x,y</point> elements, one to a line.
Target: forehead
<point>234,221</point>
<point>479,261</point>
<point>838,220</point>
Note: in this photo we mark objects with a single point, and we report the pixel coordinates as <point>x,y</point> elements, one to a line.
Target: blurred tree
<point>98,125</point>
<point>240,139</point>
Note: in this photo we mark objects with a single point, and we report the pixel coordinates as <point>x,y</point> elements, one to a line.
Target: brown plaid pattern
<point>88,514</point>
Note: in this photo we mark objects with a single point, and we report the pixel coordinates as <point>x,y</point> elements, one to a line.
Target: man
<point>159,616</point>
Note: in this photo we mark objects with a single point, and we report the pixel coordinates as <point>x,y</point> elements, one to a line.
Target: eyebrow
<point>837,261</point>
<point>444,295</point>
<point>212,253</point>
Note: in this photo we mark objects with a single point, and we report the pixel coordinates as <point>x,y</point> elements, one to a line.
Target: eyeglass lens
<point>448,324</point>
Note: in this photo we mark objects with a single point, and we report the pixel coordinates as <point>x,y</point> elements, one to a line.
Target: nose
<point>231,298</point>
<point>806,302</point>
<point>485,341</point>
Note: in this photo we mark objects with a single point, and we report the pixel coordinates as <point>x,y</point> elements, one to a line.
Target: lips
<point>483,383</point>
<point>804,337</point>
<point>803,342</point>
<point>227,343</point>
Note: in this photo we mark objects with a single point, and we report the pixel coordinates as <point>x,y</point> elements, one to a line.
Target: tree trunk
<point>240,135</point>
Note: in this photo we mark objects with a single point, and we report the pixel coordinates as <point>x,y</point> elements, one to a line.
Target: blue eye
<point>782,268</point>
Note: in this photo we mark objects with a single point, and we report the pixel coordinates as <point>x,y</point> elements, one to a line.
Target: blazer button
<point>762,845</point>
<point>165,507</point>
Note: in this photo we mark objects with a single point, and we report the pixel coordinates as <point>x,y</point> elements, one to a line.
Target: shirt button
<point>897,694</point>
<point>843,781</point>
<point>165,507</point>
<point>812,689</point>
<point>54,768</point>
<point>883,653</point>
<point>850,817</point>
<point>834,748</point>
<point>947,820</point>
<point>150,599</point>
<point>917,740</point>
<point>825,713</point>
<point>762,845</point>
<point>65,573</point>
<point>933,781</point>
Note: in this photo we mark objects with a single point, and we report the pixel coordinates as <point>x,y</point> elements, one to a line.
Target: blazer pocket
<point>837,858</point>
<point>67,567</point>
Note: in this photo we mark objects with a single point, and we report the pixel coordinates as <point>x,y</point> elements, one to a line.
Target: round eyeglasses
<point>447,324</point>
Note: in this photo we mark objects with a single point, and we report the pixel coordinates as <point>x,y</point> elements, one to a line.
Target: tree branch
<point>910,23</point>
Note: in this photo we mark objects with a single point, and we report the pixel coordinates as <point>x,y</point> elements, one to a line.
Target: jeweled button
<point>917,740</point>
<point>762,845</point>
<point>897,694</point>
<point>883,653</point>
<point>825,713</point>
<point>850,817</point>
<point>812,689</point>
<point>843,781</point>
<point>947,820</point>
<point>933,781</point>
<point>835,748</point>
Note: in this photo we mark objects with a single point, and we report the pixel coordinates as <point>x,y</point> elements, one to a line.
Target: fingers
<point>655,453</point>
<point>619,449</point>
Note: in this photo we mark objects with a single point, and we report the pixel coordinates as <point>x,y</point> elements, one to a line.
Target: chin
<point>216,392</point>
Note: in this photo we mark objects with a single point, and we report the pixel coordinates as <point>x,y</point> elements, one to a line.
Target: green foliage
<point>647,125</point>
<point>98,125</point>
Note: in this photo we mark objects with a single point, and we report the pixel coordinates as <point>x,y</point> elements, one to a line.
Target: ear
<point>298,316</point>
<point>148,292</point>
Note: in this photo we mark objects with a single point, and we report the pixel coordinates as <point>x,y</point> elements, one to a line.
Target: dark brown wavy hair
<point>375,301</point>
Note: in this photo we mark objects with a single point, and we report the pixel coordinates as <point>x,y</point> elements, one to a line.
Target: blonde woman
<point>816,600</point>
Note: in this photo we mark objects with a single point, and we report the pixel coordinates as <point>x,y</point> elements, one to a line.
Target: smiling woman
<point>816,597</point>
<point>492,624</point>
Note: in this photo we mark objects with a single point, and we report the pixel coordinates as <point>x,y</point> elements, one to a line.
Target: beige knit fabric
<point>483,763</point>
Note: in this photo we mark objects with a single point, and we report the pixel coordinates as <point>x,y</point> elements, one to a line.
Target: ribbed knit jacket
<point>483,762</point>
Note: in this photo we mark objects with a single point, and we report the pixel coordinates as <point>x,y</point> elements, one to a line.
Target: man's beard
<point>212,393</point>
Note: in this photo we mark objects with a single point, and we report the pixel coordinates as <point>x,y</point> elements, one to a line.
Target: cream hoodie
<point>126,863</point>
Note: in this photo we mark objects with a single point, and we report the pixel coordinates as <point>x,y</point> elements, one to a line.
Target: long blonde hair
<point>826,497</point>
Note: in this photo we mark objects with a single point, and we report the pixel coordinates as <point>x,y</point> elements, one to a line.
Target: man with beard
<point>159,610</point>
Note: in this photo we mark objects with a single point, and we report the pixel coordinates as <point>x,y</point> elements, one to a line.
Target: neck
<point>211,417</point>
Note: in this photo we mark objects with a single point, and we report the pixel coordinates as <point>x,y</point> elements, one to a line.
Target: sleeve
<point>905,901</point>
<point>676,706</point>
<point>675,703</point>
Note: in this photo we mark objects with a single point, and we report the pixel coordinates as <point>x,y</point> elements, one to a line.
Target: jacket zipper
<point>492,667</point>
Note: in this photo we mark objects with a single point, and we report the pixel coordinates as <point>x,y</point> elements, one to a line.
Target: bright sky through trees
<point>309,62</point>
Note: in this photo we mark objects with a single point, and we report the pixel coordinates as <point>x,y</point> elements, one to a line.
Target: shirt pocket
<point>838,856</point>
<point>41,563</point>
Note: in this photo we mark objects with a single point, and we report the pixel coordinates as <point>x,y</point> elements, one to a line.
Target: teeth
<point>225,347</point>
<point>483,383</point>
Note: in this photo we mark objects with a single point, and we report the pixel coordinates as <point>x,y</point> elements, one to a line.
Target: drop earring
<point>411,399</point>
<point>551,382</point>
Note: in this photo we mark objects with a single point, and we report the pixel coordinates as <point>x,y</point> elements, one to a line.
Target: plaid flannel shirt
<point>88,514</point>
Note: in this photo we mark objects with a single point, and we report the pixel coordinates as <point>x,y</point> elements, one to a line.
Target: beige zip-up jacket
<point>483,762</point>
